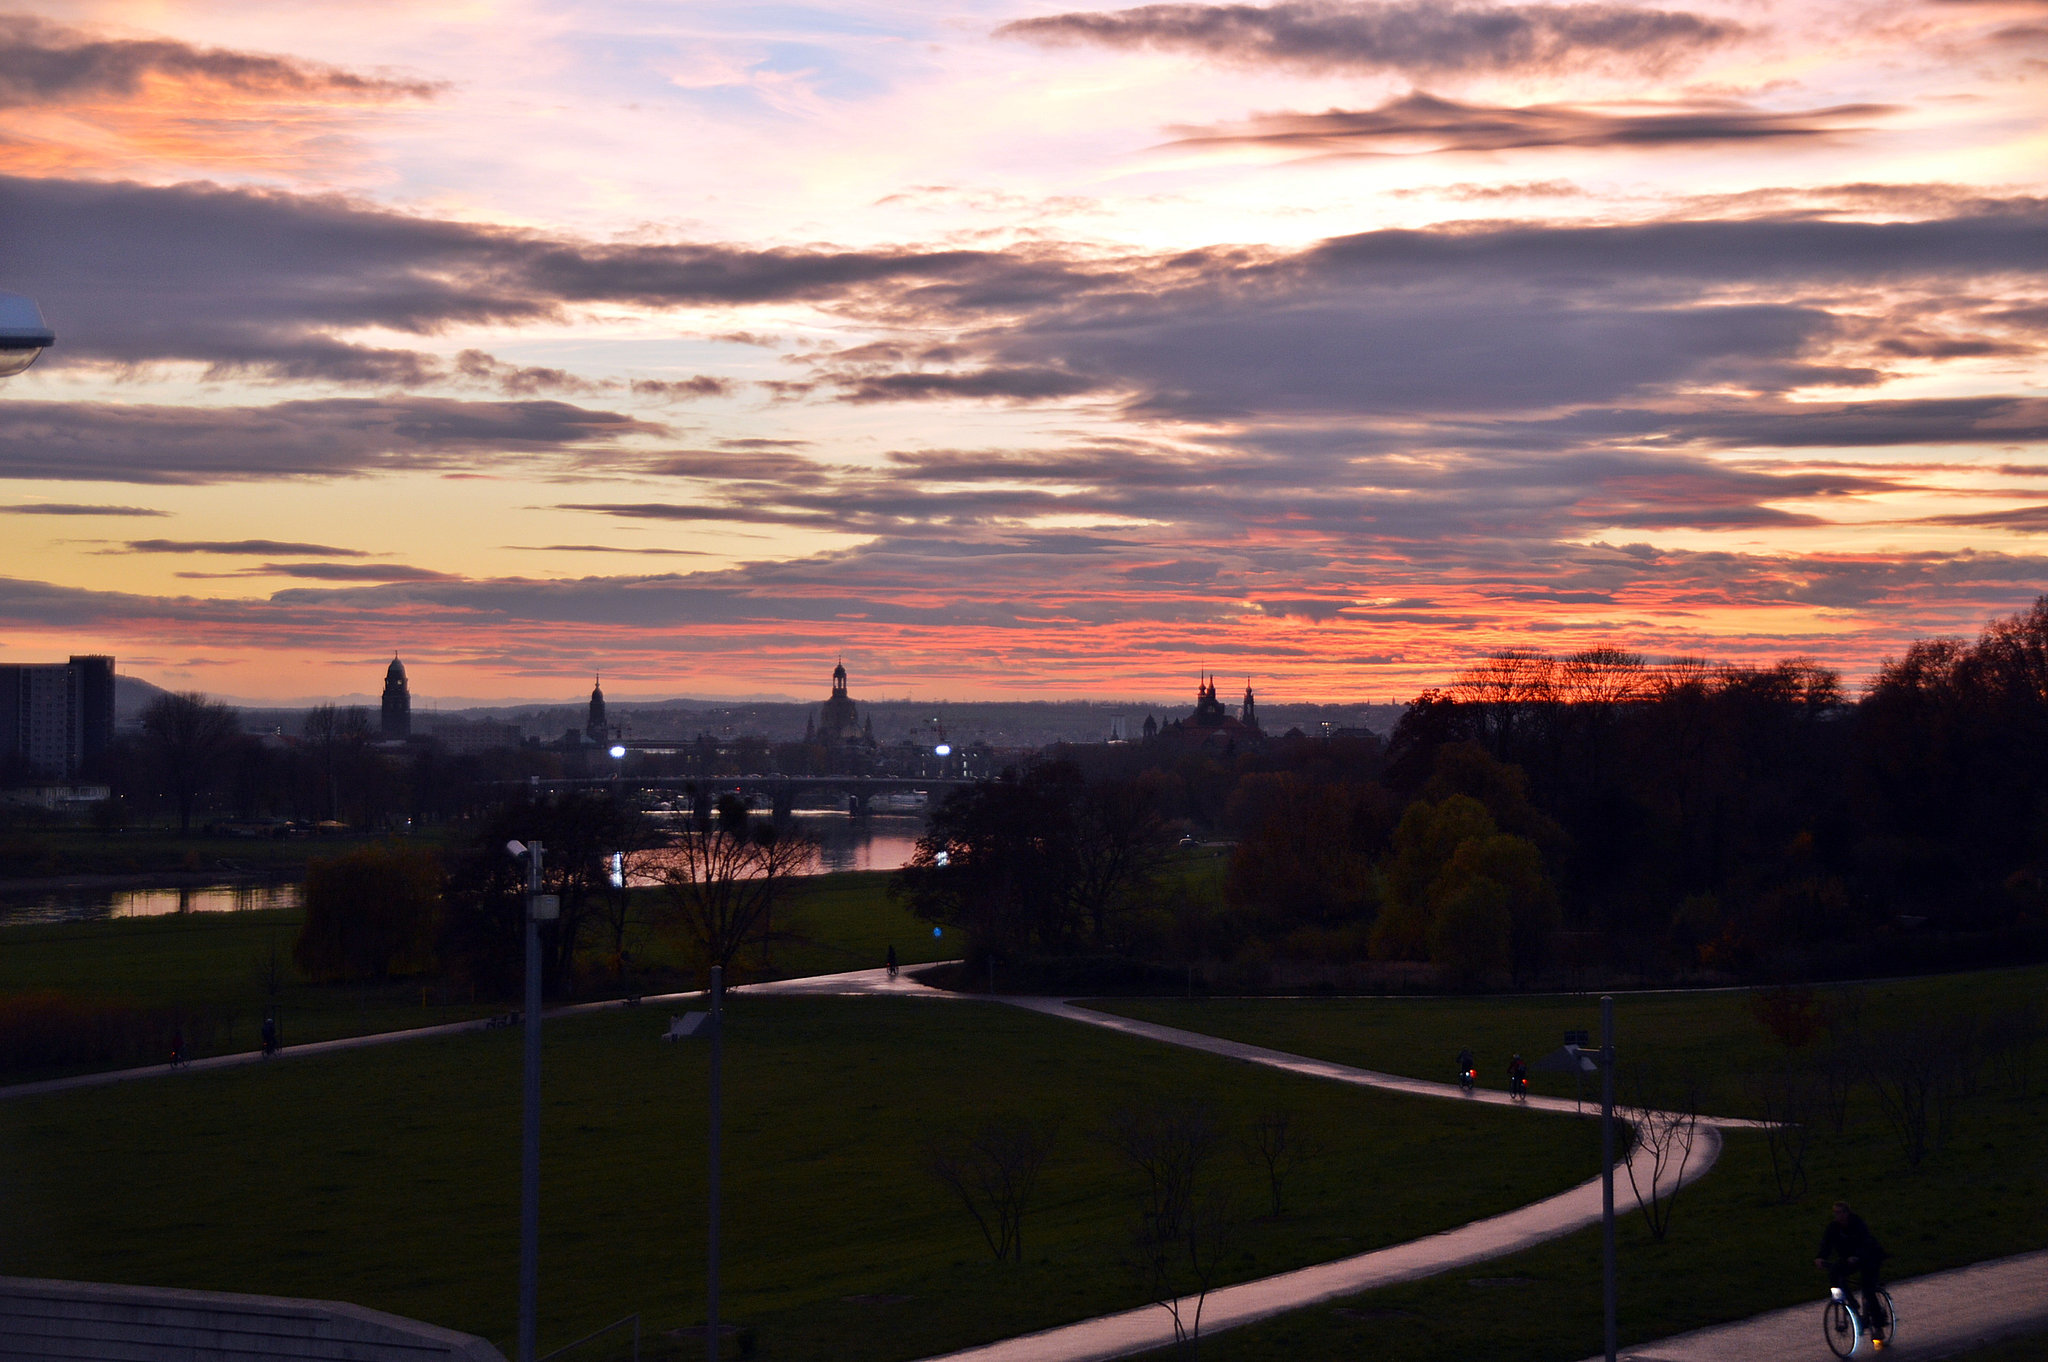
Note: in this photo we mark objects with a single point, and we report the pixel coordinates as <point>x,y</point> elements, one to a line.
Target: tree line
<point>708,896</point>
<point>1545,816</point>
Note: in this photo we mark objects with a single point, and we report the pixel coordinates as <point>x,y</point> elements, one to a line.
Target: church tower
<point>1248,715</point>
<point>397,715</point>
<point>596,728</point>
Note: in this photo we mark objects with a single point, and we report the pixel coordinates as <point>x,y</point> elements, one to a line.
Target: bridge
<point>780,790</point>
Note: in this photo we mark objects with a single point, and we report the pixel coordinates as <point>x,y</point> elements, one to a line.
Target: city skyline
<point>1016,350</point>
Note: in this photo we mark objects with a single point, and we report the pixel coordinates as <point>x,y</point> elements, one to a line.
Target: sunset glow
<point>1011,350</point>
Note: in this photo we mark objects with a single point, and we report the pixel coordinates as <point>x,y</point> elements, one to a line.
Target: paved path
<point>1149,1327</point>
<point>317,1047</point>
<point>1939,1315</point>
<point>1319,1068</point>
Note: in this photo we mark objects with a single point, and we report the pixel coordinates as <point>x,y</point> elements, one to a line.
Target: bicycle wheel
<point>1882,1333</point>
<point>1839,1323</point>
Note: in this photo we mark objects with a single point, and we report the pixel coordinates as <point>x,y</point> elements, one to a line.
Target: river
<point>877,842</point>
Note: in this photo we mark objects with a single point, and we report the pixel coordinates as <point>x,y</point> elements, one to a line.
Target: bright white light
<point>617,750</point>
<point>944,749</point>
<point>942,858</point>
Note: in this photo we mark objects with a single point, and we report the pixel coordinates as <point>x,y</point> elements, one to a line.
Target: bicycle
<point>1466,1078</point>
<point>1843,1325</point>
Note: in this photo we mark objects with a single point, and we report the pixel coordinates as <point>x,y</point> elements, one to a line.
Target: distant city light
<point>618,750</point>
<point>941,858</point>
<point>944,749</point>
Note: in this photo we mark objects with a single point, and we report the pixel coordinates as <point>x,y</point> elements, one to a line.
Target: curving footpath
<point>1150,1327</point>
<point>1939,1314</point>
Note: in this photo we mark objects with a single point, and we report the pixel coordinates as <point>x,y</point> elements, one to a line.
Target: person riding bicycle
<point>1518,1077</point>
<point>892,961</point>
<point>1848,1238</point>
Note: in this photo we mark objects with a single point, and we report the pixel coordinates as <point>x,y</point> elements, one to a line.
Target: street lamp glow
<point>23,333</point>
<point>944,749</point>
<point>618,750</point>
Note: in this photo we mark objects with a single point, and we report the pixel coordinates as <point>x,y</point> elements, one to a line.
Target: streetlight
<point>539,907</point>
<point>23,333</point>
<point>1607,1272</point>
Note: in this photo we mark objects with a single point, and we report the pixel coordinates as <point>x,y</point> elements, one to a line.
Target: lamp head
<point>516,848</point>
<point>23,333</point>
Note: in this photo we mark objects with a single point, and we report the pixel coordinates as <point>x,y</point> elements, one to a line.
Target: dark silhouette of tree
<point>1037,860</point>
<point>721,884</point>
<point>188,739</point>
<point>994,1172</point>
<point>370,913</point>
<point>484,924</point>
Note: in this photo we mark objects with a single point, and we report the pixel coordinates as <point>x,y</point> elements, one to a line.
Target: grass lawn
<point>1731,1254</point>
<point>1734,1249</point>
<point>32,853</point>
<point>387,1177</point>
<point>213,963</point>
<point>1711,1034</point>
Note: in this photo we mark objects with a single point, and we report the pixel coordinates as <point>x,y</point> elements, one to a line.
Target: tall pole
<point>717,1099</point>
<point>1607,1273</point>
<point>529,1157</point>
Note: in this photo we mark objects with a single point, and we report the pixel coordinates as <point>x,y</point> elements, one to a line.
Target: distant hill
<point>132,695</point>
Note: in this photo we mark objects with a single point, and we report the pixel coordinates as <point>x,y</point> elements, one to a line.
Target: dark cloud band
<point>1408,35</point>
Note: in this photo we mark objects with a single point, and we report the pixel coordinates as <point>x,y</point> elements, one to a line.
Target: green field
<point>1713,1035</point>
<point>387,1176</point>
<point>31,853</point>
<point>1734,1250</point>
<point>213,966</point>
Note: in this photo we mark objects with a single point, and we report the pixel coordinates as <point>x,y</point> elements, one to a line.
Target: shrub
<point>370,913</point>
<point>48,1028</point>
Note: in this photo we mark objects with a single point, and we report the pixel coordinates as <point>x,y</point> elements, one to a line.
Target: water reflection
<point>877,842</point>
<point>88,905</point>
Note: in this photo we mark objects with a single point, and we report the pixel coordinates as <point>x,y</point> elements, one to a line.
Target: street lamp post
<point>24,334</point>
<point>717,1103</point>
<point>539,907</point>
<point>1607,1266</point>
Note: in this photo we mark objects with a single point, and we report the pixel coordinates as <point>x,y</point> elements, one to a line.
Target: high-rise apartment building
<point>56,717</point>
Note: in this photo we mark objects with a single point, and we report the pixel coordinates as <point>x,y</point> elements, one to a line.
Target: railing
<point>614,1326</point>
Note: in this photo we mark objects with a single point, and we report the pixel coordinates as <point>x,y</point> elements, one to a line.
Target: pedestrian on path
<point>892,960</point>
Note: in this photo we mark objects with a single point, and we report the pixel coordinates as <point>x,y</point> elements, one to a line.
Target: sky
<point>1012,350</point>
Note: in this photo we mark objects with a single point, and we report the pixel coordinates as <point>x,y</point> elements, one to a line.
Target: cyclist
<point>1467,1068</point>
<point>1849,1238</point>
<point>892,961</point>
<point>1518,1077</point>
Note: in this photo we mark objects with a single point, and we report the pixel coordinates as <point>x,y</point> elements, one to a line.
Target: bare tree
<point>1784,1099</point>
<point>721,885</point>
<point>189,737</point>
<point>1921,1069</point>
<point>2011,1038</point>
<point>1186,1227</point>
<point>1839,1064</point>
<point>1272,1145</point>
<point>1663,1118</point>
<point>994,1172</point>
